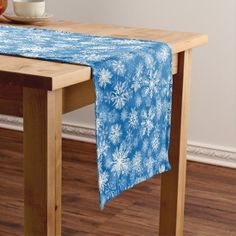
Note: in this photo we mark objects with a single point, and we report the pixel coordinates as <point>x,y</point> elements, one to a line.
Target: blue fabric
<point>133,84</point>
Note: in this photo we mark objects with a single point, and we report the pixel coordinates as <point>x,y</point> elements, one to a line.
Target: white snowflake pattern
<point>152,84</point>
<point>133,98</point>
<point>138,101</point>
<point>137,162</point>
<point>3,33</point>
<point>113,116</point>
<point>155,142</point>
<point>108,163</point>
<point>133,118</point>
<point>149,60</point>
<point>118,67</point>
<point>115,133</point>
<point>150,165</point>
<point>34,49</point>
<point>137,79</point>
<point>124,115</point>
<point>145,145</point>
<point>102,149</point>
<point>135,141</point>
<point>120,95</point>
<point>127,56</point>
<point>162,168</point>
<point>103,178</point>
<point>158,108</point>
<point>163,154</point>
<point>147,123</point>
<point>94,57</point>
<point>163,54</point>
<point>120,163</point>
<point>104,77</point>
<point>110,190</point>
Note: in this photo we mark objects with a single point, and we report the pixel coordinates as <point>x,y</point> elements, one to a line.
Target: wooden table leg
<point>42,162</point>
<point>173,182</point>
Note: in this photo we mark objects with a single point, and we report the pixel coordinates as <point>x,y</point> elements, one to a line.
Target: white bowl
<point>29,8</point>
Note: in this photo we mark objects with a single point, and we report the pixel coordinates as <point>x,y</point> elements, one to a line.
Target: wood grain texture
<point>173,182</point>
<point>53,75</point>
<point>42,161</point>
<point>210,208</point>
<point>74,96</point>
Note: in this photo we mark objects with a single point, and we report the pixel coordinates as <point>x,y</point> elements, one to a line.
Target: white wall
<point>213,97</point>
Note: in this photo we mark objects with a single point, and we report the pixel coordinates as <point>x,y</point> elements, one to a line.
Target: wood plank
<point>77,96</point>
<point>52,75</point>
<point>42,161</point>
<point>41,74</point>
<point>210,196</point>
<point>74,96</point>
<point>173,182</point>
<point>29,73</point>
<point>10,99</point>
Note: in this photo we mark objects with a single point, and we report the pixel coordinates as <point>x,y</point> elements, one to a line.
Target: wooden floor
<point>210,198</point>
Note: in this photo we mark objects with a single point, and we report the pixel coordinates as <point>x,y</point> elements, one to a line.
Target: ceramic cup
<point>29,8</point>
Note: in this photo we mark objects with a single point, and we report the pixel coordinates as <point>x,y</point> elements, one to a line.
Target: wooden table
<point>42,91</point>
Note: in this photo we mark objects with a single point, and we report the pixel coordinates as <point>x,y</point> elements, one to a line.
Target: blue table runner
<point>133,86</point>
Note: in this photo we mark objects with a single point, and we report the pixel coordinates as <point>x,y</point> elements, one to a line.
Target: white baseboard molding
<point>196,152</point>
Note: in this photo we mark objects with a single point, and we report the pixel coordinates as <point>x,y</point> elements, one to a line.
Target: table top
<point>53,75</point>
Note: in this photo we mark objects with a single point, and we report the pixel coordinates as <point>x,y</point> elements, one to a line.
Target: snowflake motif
<point>115,133</point>
<point>104,115</point>
<point>165,90</point>
<point>137,83</point>
<point>133,118</point>
<point>118,67</point>
<point>133,85</point>
<point>72,39</point>
<point>124,115</point>
<point>168,116</point>
<point>104,77</point>
<point>95,57</point>
<point>108,163</point>
<point>163,135</point>
<point>103,178</point>
<point>147,123</point>
<point>113,116</point>
<point>138,101</point>
<point>130,136</point>
<point>139,70</point>
<point>110,190</point>
<point>123,182</point>
<point>152,84</point>
<point>120,95</point>
<point>149,60</point>
<point>127,56</point>
<point>39,38</point>
<point>120,163</point>
<point>145,145</point>
<point>162,155</point>
<point>137,162</point>
<point>163,54</point>
<point>150,163</point>
<point>135,141</point>
<point>102,149</point>
<point>3,33</point>
<point>162,168</point>
<point>137,79</point>
<point>155,142</point>
<point>158,108</point>
<point>34,49</point>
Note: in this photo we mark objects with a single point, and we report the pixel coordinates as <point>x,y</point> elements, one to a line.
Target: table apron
<point>74,96</point>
